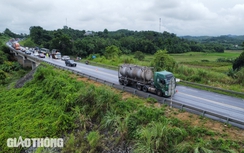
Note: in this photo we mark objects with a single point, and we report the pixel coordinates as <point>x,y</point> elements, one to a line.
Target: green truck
<point>143,78</point>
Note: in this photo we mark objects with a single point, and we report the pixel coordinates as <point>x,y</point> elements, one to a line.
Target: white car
<point>64,58</point>
<point>36,54</point>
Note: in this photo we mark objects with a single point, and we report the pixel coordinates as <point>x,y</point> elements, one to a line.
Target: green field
<point>199,56</point>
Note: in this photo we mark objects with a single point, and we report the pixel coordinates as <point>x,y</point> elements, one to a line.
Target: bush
<point>2,77</point>
<point>239,62</point>
<point>139,55</point>
<point>240,76</point>
<point>163,61</point>
<point>229,60</point>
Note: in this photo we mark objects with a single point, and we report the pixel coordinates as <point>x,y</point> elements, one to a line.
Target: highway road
<point>224,105</point>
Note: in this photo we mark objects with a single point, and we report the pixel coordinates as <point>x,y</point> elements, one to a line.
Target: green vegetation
<point>162,61</point>
<point>82,43</point>
<point>97,118</point>
<point>211,57</point>
<point>28,42</point>
<point>239,62</point>
<point>229,42</point>
<point>205,68</point>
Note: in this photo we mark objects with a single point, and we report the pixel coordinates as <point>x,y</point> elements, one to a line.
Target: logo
<point>35,142</point>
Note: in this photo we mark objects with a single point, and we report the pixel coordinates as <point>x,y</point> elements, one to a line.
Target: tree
<point>112,52</point>
<point>62,42</point>
<point>163,61</point>
<point>36,33</point>
<point>239,62</point>
<point>29,43</point>
<point>105,32</point>
<point>9,33</point>
<point>139,55</point>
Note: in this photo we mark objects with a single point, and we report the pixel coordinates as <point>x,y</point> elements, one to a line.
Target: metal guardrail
<point>175,104</point>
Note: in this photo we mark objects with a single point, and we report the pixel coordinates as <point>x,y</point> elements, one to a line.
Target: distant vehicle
<point>70,63</point>
<point>41,55</point>
<point>45,50</point>
<point>64,58</point>
<point>16,45</point>
<point>56,54</point>
<point>36,54</point>
<point>27,52</point>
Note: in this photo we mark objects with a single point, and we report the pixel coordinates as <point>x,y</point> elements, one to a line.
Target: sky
<point>181,17</point>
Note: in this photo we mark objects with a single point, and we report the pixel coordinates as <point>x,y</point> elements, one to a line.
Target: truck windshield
<point>169,76</point>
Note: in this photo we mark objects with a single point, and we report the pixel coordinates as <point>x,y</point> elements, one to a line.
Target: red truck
<point>16,45</point>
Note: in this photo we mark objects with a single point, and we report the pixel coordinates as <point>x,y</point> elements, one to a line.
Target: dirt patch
<point>84,79</point>
<point>29,76</point>
<point>221,129</point>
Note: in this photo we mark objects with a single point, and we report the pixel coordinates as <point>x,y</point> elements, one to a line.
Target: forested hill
<point>228,41</point>
<point>83,43</point>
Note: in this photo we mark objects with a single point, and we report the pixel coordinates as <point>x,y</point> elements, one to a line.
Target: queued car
<point>22,49</point>
<point>71,63</point>
<point>64,58</point>
<point>41,55</point>
<point>27,52</point>
<point>36,54</point>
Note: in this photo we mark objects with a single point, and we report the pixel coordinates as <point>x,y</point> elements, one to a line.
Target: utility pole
<point>159,25</point>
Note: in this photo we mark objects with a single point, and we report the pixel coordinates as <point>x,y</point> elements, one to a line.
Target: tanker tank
<point>136,72</point>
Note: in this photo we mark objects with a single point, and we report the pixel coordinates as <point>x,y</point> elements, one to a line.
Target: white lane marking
<point>215,102</point>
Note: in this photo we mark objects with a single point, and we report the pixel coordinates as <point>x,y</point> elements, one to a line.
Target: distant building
<point>65,27</point>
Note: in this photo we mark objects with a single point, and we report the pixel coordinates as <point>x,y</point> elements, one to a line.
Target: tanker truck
<point>143,78</point>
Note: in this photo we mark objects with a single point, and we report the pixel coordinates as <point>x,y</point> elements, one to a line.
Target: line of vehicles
<point>141,77</point>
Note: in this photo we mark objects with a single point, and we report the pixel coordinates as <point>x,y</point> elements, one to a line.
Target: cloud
<point>182,17</point>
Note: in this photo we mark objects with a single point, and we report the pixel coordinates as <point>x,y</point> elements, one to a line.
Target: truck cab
<point>165,83</point>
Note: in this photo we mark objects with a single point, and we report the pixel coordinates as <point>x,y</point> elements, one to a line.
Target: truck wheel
<point>144,88</point>
<point>121,82</point>
<point>126,82</point>
<point>138,87</point>
<point>159,93</point>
